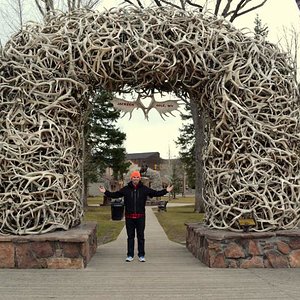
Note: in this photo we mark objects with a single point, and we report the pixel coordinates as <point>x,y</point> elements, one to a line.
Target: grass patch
<point>95,200</point>
<point>107,229</point>
<point>173,221</point>
<point>190,200</point>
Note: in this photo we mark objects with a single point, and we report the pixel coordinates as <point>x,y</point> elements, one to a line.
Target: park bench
<point>162,205</point>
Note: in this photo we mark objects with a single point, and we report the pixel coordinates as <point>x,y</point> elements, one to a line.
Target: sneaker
<point>129,258</point>
<point>142,259</point>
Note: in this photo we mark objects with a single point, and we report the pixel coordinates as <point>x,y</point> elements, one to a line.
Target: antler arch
<point>246,86</point>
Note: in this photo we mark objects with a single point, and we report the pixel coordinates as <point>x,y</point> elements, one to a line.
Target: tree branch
<point>39,7</point>
<point>90,4</point>
<point>49,5</point>
<point>168,3</point>
<point>195,5</point>
<point>237,14</point>
<point>227,7</point>
<point>157,2</point>
<point>139,4</point>
<point>217,7</point>
<point>239,6</point>
<point>73,4</point>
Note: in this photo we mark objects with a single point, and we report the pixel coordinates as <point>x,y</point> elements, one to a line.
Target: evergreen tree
<point>186,142</point>
<point>176,178</point>
<point>260,30</point>
<point>118,162</point>
<point>103,141</point>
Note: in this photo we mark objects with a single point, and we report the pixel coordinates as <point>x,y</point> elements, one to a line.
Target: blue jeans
<point>137,225</point>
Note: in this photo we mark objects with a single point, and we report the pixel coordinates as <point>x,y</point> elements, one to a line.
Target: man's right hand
<point>102,189</point>
<point>169,188</point>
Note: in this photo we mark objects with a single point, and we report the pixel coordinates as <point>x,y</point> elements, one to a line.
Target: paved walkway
<point>170,272</point>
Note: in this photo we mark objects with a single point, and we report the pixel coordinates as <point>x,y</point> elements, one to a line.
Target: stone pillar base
<point>71,249</point>
<point>227,249</point>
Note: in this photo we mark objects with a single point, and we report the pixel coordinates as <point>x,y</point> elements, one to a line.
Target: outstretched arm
<point>154,193</point>
<point>107,193</point>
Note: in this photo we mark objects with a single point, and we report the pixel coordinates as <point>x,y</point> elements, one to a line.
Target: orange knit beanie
<point>135,174</point>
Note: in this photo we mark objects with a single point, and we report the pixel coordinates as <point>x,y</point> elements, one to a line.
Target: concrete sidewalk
<point>170,272</point>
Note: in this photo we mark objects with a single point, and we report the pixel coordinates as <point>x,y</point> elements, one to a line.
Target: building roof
<point>143,155</point>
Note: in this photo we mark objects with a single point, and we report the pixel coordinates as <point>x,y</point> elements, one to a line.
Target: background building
<point>150,159</point>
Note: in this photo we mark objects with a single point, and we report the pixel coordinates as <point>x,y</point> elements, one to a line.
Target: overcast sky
<point>157,134</point>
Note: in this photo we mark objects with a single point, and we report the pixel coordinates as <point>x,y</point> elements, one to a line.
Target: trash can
<point>117,209</point>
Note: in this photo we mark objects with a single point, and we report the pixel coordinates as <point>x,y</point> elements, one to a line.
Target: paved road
<point>170,272</point>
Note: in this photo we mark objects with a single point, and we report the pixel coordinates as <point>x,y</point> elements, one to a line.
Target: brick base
<point>226,249</point>
<point>71,249</point>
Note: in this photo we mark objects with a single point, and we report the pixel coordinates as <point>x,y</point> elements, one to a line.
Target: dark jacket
<point>135,199</point>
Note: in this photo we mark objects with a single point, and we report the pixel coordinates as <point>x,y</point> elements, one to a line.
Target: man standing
<point>135,195</point>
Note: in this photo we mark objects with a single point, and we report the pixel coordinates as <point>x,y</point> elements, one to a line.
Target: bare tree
<point>290,43</point>
<point>229,9</point>
<point>13,8</point>
<point>240,9</point>
<point>14,13</point>
<point>45,6</point>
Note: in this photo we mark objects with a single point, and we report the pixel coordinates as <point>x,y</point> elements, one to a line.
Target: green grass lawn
<point>190,200</point>
<point>95,200</point>
<point>107,229</point>
<point>172,221</point>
